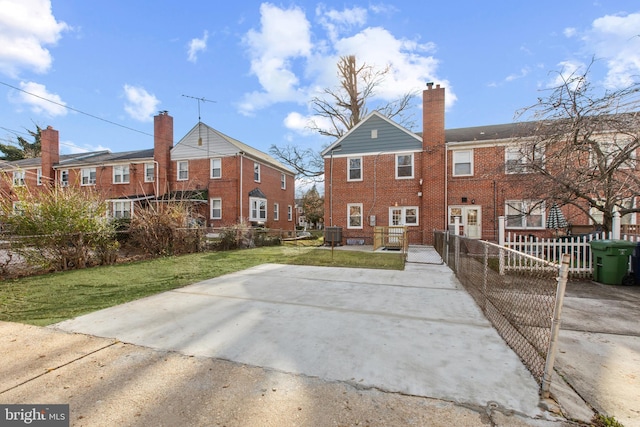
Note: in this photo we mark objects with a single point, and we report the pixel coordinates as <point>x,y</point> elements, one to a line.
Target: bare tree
<point>340,109</point>
<point>583,147</point>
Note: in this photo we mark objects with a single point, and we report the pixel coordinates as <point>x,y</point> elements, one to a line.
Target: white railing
<point>551,250</point>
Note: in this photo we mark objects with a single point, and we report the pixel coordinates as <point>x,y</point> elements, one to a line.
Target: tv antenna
<point>199,101</point>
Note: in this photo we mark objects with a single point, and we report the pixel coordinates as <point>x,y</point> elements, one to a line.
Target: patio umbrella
<point>556,218</point>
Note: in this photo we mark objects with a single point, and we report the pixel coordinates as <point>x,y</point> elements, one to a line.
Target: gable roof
<point>203,141</point>
<point>389,136</point>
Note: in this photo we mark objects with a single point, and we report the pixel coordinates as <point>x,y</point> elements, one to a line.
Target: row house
<point>382,174</point>
<point>222,179</point>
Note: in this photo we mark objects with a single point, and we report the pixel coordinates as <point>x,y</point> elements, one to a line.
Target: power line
<point>76,110</point>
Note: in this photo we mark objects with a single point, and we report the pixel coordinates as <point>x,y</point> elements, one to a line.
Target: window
<point>597,216</point>
<point>256,172</point>
<point>463,163</point>
<point>216,168</point>
<point>122,209</point>
<point>39,176</point>
<point>258,209</point>
<point>523,158</point>
<point>355,169</point>
<point>121,174</point>
<point>183,170</point>
<point>88,176</point>
<point>18,208</point>
<point>18,178</point>
<point>149,172</point>
<point>404,215</point>
<point>525,214</point>
<point>64,178</point>
<point>614,151</point>
<point>289,213</point>
<point>404,166</point>
<point>374,133</point>
<point>283,181</point>
<point>216,208</point>
<point>276,212</point>
<point>354,215</point>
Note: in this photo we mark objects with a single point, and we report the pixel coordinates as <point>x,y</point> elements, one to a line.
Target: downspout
<point>240,189</point>
<point>331,191</point>
<point>446,187</point>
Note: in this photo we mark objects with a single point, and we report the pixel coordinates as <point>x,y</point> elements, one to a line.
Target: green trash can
<point>611,260</point>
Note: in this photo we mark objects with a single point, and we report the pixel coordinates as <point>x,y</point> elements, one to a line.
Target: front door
<point>470,220</point>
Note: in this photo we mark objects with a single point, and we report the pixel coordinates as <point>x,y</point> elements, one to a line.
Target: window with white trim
<point>289,213</point>
<point>183,170</point>
<point>121,174</point>
<point>64,178</point>
<point>597,217</point>
<point>216,208</point>
<point>216,168</point>
<point>256,172</point>
<point>39,176</point>
<point>615,150</point>
<point>257,209</point>
<point>283,181</point>
<point>276,212</point>
<point>149,172</point>
<point>525,214</point>
<point>404,166</point>
<point>463,163</point>
<point>88,176</point>
<point>355,169</point>
<point>18,178</point>
<point>525,158</point>
<point>404,215</point>
<point>121,208</point>
<point>354,215</point>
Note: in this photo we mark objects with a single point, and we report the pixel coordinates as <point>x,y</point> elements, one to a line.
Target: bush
<point>165,230</point>
<point>59,228</point>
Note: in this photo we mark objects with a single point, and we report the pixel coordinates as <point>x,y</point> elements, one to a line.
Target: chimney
<point>49,153</point>
<point>432,116</point>
<point>434,161</point>
<point>162,144</point>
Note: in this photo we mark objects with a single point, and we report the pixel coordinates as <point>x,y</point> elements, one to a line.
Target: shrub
<point>59,228</point>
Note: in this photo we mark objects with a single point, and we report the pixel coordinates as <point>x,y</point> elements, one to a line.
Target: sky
<point>99,71</point>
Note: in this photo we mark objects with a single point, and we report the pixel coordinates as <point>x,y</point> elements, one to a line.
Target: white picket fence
<point>552,249</point>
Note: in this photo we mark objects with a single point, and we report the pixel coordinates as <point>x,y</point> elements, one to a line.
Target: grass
<point>46,299</point>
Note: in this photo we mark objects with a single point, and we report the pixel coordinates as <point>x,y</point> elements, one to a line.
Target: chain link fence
<point>519,302</point>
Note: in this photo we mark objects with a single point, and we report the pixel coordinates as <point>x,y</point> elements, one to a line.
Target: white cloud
<point>284,36</point>
<point>292,68</point>
<point>69,147</point>
<point>523,73</point>
<point>616,39</point>
<point>569,32</point>
<point>197,45</point>
<point>140,105</point>
<point>336,22</point>
<point>26,26</point>
<point>568,70</point>
<point>39,100</point>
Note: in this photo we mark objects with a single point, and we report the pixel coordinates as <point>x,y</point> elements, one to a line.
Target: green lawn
<point>51,298</point>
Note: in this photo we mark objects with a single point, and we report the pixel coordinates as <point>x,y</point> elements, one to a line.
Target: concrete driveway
<point>415,331</point>
<point>599,347</point>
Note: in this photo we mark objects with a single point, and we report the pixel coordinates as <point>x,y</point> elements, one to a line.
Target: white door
<point>470,220</point>
<point>395,226</point>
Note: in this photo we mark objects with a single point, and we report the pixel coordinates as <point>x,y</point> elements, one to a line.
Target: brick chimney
<point>49,154</point>
<point>434,164</point>
<point>162,144</point>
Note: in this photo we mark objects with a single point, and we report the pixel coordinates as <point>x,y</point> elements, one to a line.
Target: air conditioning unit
<point>333,236</point>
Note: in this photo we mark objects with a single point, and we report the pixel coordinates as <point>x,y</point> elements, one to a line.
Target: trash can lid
<point>612,243</point>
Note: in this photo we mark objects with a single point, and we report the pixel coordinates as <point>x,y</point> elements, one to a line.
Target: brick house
<point>381,174</point>
<point>223,180</point>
